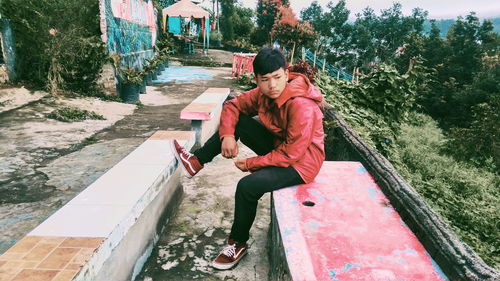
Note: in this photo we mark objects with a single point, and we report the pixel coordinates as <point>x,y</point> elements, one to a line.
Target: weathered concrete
<point>45,163</point>
<point>195,236</point>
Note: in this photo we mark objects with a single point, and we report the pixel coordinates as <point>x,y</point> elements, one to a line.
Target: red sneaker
<point>189,163</point>
<point>230,255</point>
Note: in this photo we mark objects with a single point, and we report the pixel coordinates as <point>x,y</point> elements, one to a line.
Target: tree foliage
<point>288,30</point>
<point>53,51</point>
<point>226,19</point>
<point>267,11</point>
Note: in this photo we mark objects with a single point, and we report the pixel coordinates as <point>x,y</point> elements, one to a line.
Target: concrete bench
<point>204,113</point>
<point>342,227</point>
<point>107,231</point>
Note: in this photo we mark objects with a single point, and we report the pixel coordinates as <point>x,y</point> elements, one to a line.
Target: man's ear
<point>287,73</point>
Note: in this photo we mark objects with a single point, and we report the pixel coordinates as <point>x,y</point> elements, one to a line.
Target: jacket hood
<point>299,86</point>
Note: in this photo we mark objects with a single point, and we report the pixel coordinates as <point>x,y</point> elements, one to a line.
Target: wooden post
<point>314,61</point>
<point>324,64</point>
<point>303,53</point>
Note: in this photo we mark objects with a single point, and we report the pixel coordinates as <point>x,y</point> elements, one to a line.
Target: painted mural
<point>129,26</point>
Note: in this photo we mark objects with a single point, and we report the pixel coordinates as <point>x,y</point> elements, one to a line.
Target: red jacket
<point>294,118</point>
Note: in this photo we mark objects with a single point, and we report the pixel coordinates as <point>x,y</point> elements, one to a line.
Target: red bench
<point>342,227</point>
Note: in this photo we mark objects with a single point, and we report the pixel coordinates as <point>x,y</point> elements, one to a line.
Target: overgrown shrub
<point>305,68</point>
<point>376,105</point>
<point>58,43</point>
<point>380,109</point>
<point>73,114</point>
<point>466,197</point>
<point>247,81</point>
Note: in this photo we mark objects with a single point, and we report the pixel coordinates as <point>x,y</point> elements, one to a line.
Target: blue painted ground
<point>183,74</point>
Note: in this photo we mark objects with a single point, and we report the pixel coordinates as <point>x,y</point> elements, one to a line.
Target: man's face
<point>272,84</point>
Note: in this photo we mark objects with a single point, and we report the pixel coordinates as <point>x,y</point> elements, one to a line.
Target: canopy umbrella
<point>187,9</point>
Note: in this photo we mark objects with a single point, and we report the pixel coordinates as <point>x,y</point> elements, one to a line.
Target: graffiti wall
<point>8,51</point>
<point>129,29</point>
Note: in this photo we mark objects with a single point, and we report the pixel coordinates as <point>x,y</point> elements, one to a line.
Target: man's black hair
<point>268,60</point>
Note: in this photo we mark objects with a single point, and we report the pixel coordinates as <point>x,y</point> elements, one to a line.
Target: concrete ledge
<point>454,257</point>
<point>116,220</point>
<point>342,227</point>
<point>204,113</point>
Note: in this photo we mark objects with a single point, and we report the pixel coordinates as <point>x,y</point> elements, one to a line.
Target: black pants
<point>252,187</point>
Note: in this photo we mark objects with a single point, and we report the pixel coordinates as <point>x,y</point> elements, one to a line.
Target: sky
<point>438,9</point>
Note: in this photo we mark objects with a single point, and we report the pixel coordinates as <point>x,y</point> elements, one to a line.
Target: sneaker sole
<point>176,155</point>
<point>226,266</point>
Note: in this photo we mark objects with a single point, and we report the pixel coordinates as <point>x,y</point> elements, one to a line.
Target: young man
<point>288,140</point>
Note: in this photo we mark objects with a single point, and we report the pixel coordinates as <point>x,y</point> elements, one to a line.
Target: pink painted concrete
<point>198,111</point>
<point>351,233</point>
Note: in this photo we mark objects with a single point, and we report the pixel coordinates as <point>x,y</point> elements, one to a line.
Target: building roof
<point>185,9</point>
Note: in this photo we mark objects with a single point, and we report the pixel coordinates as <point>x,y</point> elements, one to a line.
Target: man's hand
<point>241,164</point>
<point>229,148</point>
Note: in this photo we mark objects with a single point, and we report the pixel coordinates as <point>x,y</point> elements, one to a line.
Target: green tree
<point>314,15</point>
<point>465,47</point>
<point>226,19</point>
<point>267,11</point>
<point>242,22</point>
<point>291,32</point>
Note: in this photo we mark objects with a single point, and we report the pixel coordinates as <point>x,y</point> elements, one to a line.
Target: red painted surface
<point>242,63</point>
<point>195,115</point>
<point>351,233</point>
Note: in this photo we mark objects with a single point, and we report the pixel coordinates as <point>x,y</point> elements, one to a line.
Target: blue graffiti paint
<point>332,273</point>
<point>348,266</point>
<point>362,170</point>
<point>319,196</point>
<point>5,245</point>
<point>289,231</point>
<point>321,179</point>
<point>372,192</point>
<point>125,37</point>
<point>8,46</point>
<point>313,224</point>
<point>183,74</point>
<point>11,221</point>
<point>437,270</point>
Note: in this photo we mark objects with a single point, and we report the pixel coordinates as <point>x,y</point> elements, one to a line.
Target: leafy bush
<point>247,81</point>
<point>305,68</point>
<point>380,109</point>
<point>58,43</point>
<point>466,197</point>
<point>377,105</point>
<point>474,124</point>
<point>72,114</point>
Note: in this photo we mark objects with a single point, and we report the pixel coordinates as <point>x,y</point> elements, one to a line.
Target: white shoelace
<point>230,250</point>
<point>186,153</point>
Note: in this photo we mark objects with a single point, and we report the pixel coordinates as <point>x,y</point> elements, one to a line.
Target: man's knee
<point>246,188</point>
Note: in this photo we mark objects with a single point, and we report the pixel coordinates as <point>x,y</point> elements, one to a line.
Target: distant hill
<point>444,25</point>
